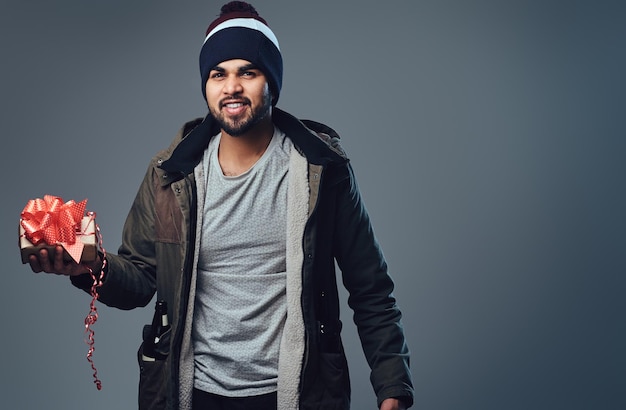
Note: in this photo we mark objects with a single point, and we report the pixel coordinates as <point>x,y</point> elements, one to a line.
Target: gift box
<point>86,235</point>
<point>49,222</point>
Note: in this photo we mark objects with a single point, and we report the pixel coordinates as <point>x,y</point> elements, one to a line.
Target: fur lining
<point>186,375</point>
<point>292,344</point>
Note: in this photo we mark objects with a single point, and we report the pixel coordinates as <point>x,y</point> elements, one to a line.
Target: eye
<point>216,75</point>
<point>249,74</point>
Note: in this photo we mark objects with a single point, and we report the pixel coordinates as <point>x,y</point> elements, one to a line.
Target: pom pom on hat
<point>235,9</point>
<point>240,33</point>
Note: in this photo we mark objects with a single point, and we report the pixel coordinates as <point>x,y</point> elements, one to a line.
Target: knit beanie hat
<point>240,33</point>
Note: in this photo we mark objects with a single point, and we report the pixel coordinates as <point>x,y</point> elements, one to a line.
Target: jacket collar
<point>318,143</point>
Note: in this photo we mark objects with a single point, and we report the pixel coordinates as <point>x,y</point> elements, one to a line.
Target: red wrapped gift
<point>48,222</point>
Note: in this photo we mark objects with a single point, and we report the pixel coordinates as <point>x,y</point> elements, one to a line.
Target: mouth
<point>234,103</point>
<point>234,107</point>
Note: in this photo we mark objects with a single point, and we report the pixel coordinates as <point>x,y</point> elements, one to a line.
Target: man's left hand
<point>392,404</point>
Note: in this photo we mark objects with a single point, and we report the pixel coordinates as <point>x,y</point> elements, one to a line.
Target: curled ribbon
<point>52,221</point>
<point>92,316</point>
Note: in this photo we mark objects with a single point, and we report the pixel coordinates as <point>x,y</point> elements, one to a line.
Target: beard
<point>239,125</point>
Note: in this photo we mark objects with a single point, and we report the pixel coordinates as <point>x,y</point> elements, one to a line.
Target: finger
<point>34,263</point>
<point>44,261</point>
<point>59,264</point>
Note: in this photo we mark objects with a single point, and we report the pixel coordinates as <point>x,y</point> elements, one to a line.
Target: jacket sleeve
<point>376,314</point>
<point>130,278</point>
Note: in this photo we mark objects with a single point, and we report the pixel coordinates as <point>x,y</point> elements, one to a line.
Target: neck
<point>238,154</point>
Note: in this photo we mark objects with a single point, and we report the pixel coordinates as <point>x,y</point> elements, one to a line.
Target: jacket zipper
<point>307,340</point>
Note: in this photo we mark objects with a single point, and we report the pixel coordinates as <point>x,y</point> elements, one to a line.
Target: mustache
<point>234,99</point>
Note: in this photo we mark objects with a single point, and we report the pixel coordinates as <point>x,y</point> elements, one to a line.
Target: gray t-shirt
<point>240,304</point>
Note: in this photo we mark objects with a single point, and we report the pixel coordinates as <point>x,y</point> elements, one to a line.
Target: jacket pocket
<point>331,390</point>
<point>153,376</point>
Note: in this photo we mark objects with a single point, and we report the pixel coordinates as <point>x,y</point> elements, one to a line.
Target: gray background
<point>488,138</point>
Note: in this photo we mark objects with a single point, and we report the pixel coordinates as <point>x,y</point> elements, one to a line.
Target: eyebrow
<point>241,69</point>
<point>248,67</point>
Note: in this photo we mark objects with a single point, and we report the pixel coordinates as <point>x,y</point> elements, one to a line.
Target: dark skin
<point>44,262</point>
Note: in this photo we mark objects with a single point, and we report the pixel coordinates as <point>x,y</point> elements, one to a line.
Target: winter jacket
<point>327,222</point>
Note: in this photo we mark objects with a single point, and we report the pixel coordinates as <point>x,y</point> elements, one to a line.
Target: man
<point>237,226</point>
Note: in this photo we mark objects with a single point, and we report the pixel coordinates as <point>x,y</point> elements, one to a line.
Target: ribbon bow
<point>51,221</point>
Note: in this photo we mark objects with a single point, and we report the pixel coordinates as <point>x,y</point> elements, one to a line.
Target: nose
<point>232,85</point>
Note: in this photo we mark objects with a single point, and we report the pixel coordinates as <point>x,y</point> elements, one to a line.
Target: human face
<point>238,96</point>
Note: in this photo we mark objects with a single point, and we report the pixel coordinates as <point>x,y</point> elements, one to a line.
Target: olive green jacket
<point>327,223</point>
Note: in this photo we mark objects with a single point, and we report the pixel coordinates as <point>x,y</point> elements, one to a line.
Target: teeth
<point>234,105</point>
